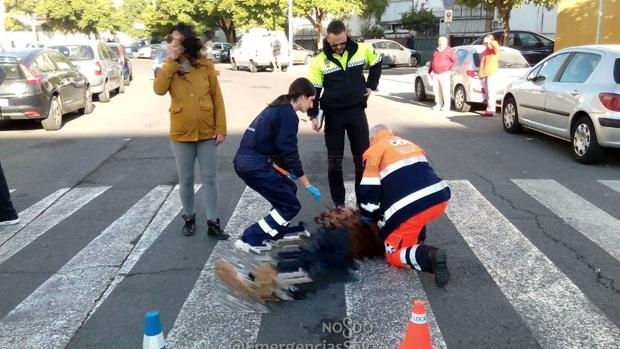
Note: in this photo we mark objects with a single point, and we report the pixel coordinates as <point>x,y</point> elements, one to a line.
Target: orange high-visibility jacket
<point>398,182</point>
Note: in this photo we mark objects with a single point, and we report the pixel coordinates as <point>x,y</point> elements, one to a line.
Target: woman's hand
<point>219,139</point>
<point>172,52</point>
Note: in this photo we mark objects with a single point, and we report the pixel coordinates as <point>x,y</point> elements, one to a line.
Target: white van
<point>254,50</point>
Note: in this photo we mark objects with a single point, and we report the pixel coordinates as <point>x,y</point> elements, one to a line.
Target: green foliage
<point>374,8</point>
<point>419,18</point>
<point>374,32</point>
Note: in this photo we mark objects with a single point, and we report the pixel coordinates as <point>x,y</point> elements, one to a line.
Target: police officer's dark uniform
<point>343,103</point>
<point>272,137</point>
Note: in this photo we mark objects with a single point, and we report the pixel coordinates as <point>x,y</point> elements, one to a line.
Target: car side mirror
<point>537,78</point>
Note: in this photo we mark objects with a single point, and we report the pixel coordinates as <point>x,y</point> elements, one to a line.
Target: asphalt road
<point>532,236</point>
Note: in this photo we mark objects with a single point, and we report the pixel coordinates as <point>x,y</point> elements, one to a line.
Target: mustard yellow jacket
<point>197,106</point>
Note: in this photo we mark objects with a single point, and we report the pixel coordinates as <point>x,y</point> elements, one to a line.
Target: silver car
<point>573,94</point>
<point>97,62</point>
<point>393,53</point>
<point>466,85</point>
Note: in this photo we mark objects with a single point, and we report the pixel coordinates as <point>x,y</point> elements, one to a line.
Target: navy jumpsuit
<point>271,138</point>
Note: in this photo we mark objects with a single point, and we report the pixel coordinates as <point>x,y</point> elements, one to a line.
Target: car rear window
<point>512,59</point>
<point>12,70</point>
<point>116,50</point>
<point>617,71</point>
<point>75,52</point>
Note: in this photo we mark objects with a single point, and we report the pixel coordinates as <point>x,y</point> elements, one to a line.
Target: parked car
<point>97,62</point>
<point>160,58</point>
<point>466,85</point>
<point>394,54</point>
<point>301,55</point>
<point>148,51</point>
<point>254,50</point>
<point>534,47</point>
<point>218,52</point>
<point>133,48</point>
<point>573,95</point>
<point>42,84</point>
<point>120,52</point>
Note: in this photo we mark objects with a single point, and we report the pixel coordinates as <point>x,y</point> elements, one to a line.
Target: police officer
<point>401,190</point>
<point>338,72</point>
<point>268,161</point>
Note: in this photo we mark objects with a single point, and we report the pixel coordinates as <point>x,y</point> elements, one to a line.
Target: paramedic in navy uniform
<point>268,161</point>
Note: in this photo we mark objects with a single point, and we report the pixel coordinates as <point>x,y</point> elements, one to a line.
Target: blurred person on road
<point>488,70</point>
<point>276,48</point>
<point>268,161</point>
<point>338,72</point>
<point>8,215</point>
<point>197,122</point>
<point>411,39</point>
<point>440,70</point>
<point>401,194</point>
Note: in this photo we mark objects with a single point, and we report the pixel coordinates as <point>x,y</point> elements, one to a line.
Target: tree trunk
<point>504,9</point>
<point>228,27</point>
<point>317,25</point>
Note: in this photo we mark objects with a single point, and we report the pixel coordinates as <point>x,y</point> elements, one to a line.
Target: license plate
<point>4,102</point>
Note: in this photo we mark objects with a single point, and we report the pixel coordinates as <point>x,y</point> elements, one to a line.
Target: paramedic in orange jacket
<point>400,189</point>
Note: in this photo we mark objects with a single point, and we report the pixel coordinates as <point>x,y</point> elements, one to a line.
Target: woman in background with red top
<point>440,71</point>
<point>488,71</point>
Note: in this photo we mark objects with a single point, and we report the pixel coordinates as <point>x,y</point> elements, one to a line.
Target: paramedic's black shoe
<point>190,224</point>
<point>439,266</point>
<point>215,230</point>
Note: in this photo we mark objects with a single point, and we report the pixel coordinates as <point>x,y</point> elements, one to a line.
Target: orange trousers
<point>408,233</point>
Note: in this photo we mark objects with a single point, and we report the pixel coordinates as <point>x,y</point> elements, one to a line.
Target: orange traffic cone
<point>418,332</point>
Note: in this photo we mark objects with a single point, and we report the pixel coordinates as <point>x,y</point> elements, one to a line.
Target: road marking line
<point>202,321</point>
<point>64,207</point>
<point>26,216</point>
<point>388,329</point>
<point>555,310</point>
<point>613,184</point>
<point>168,211</point>
<point>51,315</point>
<point>595,224</point>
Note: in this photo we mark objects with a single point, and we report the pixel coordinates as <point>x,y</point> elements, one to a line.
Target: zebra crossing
<point>556,311</point>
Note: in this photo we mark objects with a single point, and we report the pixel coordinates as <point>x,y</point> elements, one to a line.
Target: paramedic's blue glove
<point>367,220</point>
<point>314,191</point>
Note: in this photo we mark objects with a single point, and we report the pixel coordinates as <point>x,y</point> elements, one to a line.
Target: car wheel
<point>253,67</point>
<point>585,144</point>
<point>54,118</point>
<point>413,61</point>
<point>510,116</point>
<point>88,103</point>
<point>284,68</point>
<point>307,60</point>
<point>104,96</point>
<point>420,91</point>
<point>234,65</point>
<point>460,100</point>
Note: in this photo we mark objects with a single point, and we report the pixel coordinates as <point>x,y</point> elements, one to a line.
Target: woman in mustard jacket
<point>197,121</point>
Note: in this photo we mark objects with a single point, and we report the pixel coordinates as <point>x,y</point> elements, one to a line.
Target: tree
<point>132,12</point>
<point>317,10</point>
<point>505,7</point>
<point>374,9</point>
<point>419,18</point>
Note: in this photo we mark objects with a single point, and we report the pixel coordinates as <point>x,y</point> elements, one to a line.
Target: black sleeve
<point>314,111</point>
<point>374,73</point>
<point>286,141</point>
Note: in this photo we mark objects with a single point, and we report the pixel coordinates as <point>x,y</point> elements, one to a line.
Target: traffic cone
<point>153,336</point>
<point>418,332</point>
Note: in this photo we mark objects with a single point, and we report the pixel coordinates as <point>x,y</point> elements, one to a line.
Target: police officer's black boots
<point>215,230</point>
<point>190,224</point>
<point>439,266</point>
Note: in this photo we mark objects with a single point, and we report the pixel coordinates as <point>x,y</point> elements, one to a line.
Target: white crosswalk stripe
<point>64,207</point>
<point>595,224</point>
<point>613,184</point>
<point>49,317</point>
<point>367,296</point>
<point>26,216</point>
<point>202,321</point>
<point>556,311</point>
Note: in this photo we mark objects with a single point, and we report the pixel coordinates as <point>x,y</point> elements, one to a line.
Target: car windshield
<point>75,52</point>
<point>512,59</point>
<point>11,69</point>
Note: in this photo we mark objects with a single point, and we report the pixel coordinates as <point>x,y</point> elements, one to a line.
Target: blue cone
<point>153,336</point>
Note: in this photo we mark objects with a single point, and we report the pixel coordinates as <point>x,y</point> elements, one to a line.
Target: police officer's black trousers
<point>7,212</point>
<point>352,121</point>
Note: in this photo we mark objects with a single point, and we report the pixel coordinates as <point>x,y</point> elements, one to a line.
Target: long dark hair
<point>191,42</point>
<point>299,87</point>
